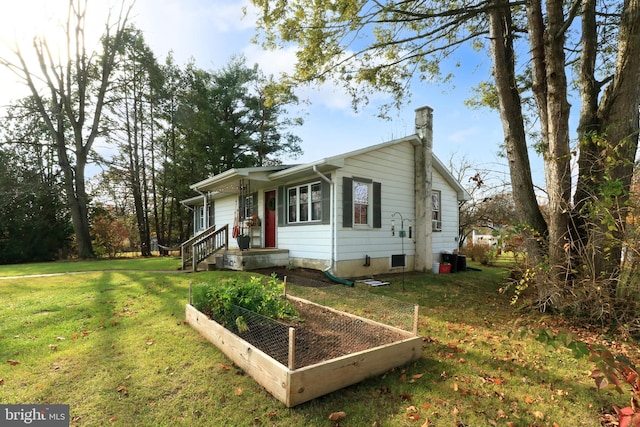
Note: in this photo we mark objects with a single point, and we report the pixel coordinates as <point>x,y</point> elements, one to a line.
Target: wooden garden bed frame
<point>295,386</point>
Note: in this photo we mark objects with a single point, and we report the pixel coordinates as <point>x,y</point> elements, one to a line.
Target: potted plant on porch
<point>243,240</point>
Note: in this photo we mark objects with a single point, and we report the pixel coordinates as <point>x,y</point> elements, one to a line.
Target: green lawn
<point>131,264</point>
<point>114,346</point>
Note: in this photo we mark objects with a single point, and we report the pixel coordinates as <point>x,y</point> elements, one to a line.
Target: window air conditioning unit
<point>436,225</point>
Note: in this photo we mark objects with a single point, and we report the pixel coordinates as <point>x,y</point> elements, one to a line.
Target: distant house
<point>365,212</point>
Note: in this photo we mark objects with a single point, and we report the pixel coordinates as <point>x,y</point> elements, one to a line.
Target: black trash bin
<point>462,263</point>
<point>451,259</point>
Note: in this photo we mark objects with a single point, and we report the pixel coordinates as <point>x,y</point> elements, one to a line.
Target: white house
<point>361,213</point>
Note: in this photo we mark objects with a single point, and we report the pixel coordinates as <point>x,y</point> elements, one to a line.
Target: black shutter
<point>280,206</point>
<point>212,215</point>
<point>347,202</point>
<point>254,203</point>
<point>326,202</point>
<point>377,205</point>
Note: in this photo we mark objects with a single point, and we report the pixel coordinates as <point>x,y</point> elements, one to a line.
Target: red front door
<point>270,204</point>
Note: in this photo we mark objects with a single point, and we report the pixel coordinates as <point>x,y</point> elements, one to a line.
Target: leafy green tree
<point>134,100</point>
<point>227,121</point>
<point>34,221</point>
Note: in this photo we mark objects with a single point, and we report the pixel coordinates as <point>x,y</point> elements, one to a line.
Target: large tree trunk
<point>550,92</point>
<point>513,125</point>
<point>618,117</point>
<point>76,195</point>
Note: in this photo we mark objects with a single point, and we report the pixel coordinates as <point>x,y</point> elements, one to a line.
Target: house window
<point>436,213</point>
<point>204,219</point>
<point>361,195</point>
<point>247,206</point>
<point>305,203</point>
<point>200,220</point>
<point>361,203</point>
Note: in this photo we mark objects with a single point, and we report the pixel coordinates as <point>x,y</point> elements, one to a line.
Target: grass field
<point>111,342</point>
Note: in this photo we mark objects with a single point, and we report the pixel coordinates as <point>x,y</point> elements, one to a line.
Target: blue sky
<point>211,31</point>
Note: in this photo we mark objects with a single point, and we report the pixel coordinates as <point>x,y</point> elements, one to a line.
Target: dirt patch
<point>325,334</point>
<point>298,276</point>
<point>321,334</point>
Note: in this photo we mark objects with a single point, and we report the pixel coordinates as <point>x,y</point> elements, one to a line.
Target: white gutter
<point>333,214</point>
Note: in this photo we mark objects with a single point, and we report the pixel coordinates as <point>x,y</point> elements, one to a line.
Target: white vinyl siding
<point>392,167</point>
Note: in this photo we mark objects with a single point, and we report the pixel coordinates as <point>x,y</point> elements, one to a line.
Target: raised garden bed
<point>319,355</point>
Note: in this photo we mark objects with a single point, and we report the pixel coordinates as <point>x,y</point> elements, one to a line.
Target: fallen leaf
<point>238,392</point>
<point>13,362</point>
<point>454,386</point>
<point>384,389</point>
<point>538,415</point>
<point>411,409</point>
<point>336,416</point>
<point>426,405</point>
<point>403,377</point>
<point>60,338</point>
<point>123,389</point>
<point>510,424</point>
<point>406,397</point>
<point>501,414</point>
<point>1,381</point>
<point>413,417</point>
<point>225,367</point>
<point>113,420</point>
<point>528,399</point>
<point>149,342</point>
<point>53,347</point>
<point>417,376</point>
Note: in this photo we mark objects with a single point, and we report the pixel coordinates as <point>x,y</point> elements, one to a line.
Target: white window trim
<point>309,203</point>
<point>369,185</point>
<point>436,215</point>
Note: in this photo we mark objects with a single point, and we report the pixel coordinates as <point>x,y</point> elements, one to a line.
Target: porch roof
<point>228,182</point>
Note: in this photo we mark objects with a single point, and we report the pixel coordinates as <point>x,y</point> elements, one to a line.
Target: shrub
<point>217,300</point>
<point>483,253</point>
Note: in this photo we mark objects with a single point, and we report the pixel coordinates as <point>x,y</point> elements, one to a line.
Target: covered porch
<point>249,259</point>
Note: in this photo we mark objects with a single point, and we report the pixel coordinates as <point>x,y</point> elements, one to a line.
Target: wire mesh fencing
<point>380,308</point>
<point>322,333</point>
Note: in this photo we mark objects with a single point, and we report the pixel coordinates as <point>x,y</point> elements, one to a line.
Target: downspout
<point>333,214</point>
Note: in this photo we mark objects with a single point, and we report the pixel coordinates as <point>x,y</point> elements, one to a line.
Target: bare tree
<point>69,90</point>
